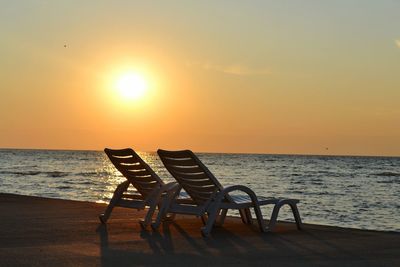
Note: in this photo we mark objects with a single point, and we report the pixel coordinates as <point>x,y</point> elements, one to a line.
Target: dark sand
<point>48,232</point>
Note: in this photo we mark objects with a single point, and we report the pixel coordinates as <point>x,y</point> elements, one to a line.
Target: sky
<point>276,77</point>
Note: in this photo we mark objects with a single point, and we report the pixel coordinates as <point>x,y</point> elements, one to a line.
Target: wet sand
<point>49,232</point>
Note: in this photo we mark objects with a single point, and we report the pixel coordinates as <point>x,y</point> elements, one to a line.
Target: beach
<point>36,231</point>
<point>351,192</point>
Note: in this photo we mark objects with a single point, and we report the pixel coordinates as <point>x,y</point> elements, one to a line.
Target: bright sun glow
<point>131,86</point>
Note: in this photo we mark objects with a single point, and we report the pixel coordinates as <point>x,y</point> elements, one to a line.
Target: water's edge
<point>350,192</point>
<point>233,216</point>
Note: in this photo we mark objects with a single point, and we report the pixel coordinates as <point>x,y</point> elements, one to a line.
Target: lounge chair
<point>149,187</point>
<point>210,198</point>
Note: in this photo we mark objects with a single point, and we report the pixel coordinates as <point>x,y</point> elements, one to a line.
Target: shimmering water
<point>357,192</point>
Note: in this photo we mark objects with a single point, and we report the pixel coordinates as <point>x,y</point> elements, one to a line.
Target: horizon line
<point>208,152</point>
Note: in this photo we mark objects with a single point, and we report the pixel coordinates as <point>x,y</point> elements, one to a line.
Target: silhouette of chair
<point>210,198</point>
<point>149,187</point>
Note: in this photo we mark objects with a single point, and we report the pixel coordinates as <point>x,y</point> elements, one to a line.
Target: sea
<point>347,191</point>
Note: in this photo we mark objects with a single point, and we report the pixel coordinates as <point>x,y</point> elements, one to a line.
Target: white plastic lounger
<point>210,198</point>
<point>149,187</point>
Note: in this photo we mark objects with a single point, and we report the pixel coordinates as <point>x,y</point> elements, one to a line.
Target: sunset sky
<point>292,77</point>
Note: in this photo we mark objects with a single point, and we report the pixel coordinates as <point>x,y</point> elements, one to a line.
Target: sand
<point>50,232</point>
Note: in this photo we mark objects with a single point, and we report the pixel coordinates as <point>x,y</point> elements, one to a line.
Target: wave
<point>64,187</point>
<point>78,182</point>
<point>56,174</point>
<point>21,173</point>
<point>388,174</point>
<point>86,174</point>
<point>85,183</point>
<point>389,181</point>
<point>34,173</point>
<point>96,174</point>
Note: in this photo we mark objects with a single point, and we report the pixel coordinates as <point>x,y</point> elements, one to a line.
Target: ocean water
<point>355,192</point>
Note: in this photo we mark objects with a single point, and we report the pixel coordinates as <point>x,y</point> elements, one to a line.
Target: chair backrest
<point>135,170</point>
<point>191,174</point>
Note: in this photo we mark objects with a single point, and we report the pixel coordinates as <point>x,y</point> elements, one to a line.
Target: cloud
<point>397,43</point>
<point>234,69</point>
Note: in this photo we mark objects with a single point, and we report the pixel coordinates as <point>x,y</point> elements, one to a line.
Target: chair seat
<point>243,199</point>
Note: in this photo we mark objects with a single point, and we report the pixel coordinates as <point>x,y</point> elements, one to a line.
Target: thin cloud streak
<point>234,69</point>
<point>397,43</point>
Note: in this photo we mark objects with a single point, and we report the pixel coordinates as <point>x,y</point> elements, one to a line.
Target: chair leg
<point>212,216</point>
<point>274,216</point>
<point>243,216</point>
<point>149,215</point>
<point>203,219</point>
<point>222,217</point>
<point>161,214</point>
<point>248,216</point>
<point>260,219</point>
<point>163,211</point>
<point>275,212</point>
<point>296,215</point>
<point>169,217</point>
<point>121,188</point>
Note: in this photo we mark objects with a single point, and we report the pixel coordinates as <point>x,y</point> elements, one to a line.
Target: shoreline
<point>38,231</point>
<point>233,217</point>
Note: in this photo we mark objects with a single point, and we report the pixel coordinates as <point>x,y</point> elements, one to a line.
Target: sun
<point>131,86</point>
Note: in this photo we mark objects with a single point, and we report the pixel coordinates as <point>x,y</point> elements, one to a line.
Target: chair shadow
<point>161,245</point>
<point>173,244</point>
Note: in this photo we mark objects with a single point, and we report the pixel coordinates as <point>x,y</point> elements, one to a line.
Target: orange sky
<point>265,77</point>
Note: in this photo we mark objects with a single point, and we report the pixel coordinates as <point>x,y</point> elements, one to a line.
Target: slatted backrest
<point>191,174</point>
<point>138,173</point>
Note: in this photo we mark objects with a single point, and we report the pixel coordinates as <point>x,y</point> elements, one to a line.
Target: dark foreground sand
<point>49,232</point>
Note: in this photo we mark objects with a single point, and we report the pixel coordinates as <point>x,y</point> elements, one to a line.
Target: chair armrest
<point>169,186</point>
<point>226,190</point>
<point>243,188</point>
<point>168,189</point>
